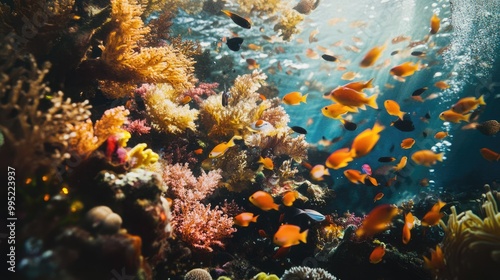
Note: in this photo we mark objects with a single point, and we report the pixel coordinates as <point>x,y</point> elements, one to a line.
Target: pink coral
<point>138,126</point>
<point>203,89</point>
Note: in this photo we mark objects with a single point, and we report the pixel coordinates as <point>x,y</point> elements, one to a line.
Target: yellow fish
<point>294,98</point>
<point>336,110</point>
<point>401,164</point>
<point>393,109</point>
<point>467,104</point>
<point>289,235</point>
<point>406,69</point>
<point>221,148</point>
<point>372,56</point>
<point>435,24</point>
<point>451,116</point>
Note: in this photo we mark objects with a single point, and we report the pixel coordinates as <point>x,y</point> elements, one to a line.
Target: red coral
<point>205,89</point>
<point>138,126</point>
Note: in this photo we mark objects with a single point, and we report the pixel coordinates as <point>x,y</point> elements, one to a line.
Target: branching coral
<point>471,245</point>
<point>165,114</point>
<point>287,24</point>
<point>129,63</point>
<point>197,224</point>
<point>269,7</point>
<point>281,143</point>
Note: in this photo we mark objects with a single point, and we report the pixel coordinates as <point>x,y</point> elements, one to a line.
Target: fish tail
<point>401,115</point>
<point>440,156</point>
<point>369,84</point>
<point>326,172</point>
<point>303,236</point>
<point>352,109</point>
<point>304,98</point>
<point>254,219</point>
<point>372,101</point>
<point>467,117</point>
<point>481,100</point>
<point>377,128</point>
<point>230,143</point>
<point>276,207</point>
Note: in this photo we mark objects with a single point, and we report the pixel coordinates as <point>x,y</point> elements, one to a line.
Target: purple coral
<point>138,126</point>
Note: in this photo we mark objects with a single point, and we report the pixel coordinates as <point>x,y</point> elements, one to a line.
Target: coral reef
<point>304,272</point>
<point>197,274</point>
<point>268,7</point>
<point>287,24</point>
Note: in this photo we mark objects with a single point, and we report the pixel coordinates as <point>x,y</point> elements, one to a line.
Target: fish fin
<point>369,84</point>
<point>401,115</point>
<point>276,207</point>
<point>303,236</point>
<point>304,98</point>
<point>481,100</point>
<point>440,156</point>
<point>377,128</point>
<point>467,117</point>
<point>227,13</point>
<point>254,219</point>
<point>327,173</point>
<point>230,143</point>
<point>372,101</point>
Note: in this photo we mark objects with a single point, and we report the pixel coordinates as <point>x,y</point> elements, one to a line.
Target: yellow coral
<point>281,142</point>
<point>288,23</point>
<point>130,63</point>
<point>165,114</point>
<point>141,157</point>
<point>269,7</point>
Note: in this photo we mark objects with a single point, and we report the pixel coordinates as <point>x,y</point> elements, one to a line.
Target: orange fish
<point>424,182</point>
<point>366,140</point>
<point>339,158</point>
<point>348,76</point>
<point>336,110</point>
<point>406,69</point>
<point>409,222</point>
<point>245,218</point>
<point>289,235</point>
<point>451,116</point>
<point>185,100</point>
<point>318,171</point>
<point>436,263</point>
<point>426,157</point>
<point>441,85</point>
<point>356,177</point>
<point>254,47</point>
<point>391,181</point>
<point>377,254</point>
<point>489,154</point>
<point>393,109</point>
<point>401,164</point>
<point>467,104</point>
<point>372,56</point>
<point>440,135</point>
<point>434,215</point>
<point>359,85</point>
<point>435,23</point>
<point>198,151</point>
<point>349,97</point>
<point>407,143</point>
<point>221,148</point>
<point>377,220</point>
<point>263,200</point>
<point>289,197</point>
<point>378,196</point>
<point>294,98</point>
<point>267,163</point>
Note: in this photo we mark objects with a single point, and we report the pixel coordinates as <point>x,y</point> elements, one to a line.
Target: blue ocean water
<point>463,53</point>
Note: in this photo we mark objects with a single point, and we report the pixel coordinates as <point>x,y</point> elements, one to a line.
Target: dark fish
<point>386,159</point>
<point>424,133</point>
<point>427,116</point>
<point>225,97</point>
<point>305,7</point>
<point>239,20</point>
<point>336,139</point>
<point>350,125</point>
<point>392,148</point>
<point>234,44</point>
<point>405,125</point>
<point>418,53</point>
<point>329,57</point>
<point>394,52</point>
<point>419,91</point>
<point>299,129</point>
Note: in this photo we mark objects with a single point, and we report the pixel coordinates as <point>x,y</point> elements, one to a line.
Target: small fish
<point>366,169</point>
<point>313,214</point>
<point>432,217</point>
<point>394,52</point>
<point>312,36</point>
<point>225,97</point>
<point>407,143</point>
<point>239,20</point>
<point>299,129</point>
<point>364,142</point>
<point>409,223</point>
<point>244,219</point>
<point>435,24</point>
<point>441,85</point>
<point>378,220</point>
<point>401,164</point>
<point>372,56</point>
<point>289,235</point>
<point>405,69</point>
<point>378,196</point>
<point>267,163</point>
<point>393,109</point>
<point>391,181</point>
<point>348,76</point>
<point>185,100</point>
<point>426,157</point>
<point>419,91</point>
<point>467,104</point>
<point>436,263</point>
<point>254,47</point>
<point>386,159</point>
<point>454,117</point>
<point>252,63</point>
<point>418,53</point>
<point>339,158</point>
<point>489,154</point>
<point>400,39</point>
<point>262,233</point>
<point>294,98</point>
<point>349,125</point>
<point>221,148</point>
<point>405,125</point>
<point>360,85</point>
<point>355,176</point>
<point>289,197</point>
<point>349,97</point>
<point>318,171</point>
<point>336,110</point>
<point>377,254</point>
<point>328,57</point>
<point>440,135</point>
<point>424,182</point>
<point>263,200</point>
<point>310,53</point>
<point>234,44</point>
<point>198,151</point>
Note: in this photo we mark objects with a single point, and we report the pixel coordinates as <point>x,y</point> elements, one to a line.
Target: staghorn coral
<point>129,63</point>
<point>242,109</point>
<point>36,131</point>
<point>471,245</point>
<point>281,143</point>
<point>165,114</point>
<point>304,272</point>
<point>199,225</point>
<point>287,24</point>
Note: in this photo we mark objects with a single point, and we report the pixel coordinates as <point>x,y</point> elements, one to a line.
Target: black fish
<point>394,52</point>
<point>328,57</point>
<point>239,20</point>
<point>424,134</point>
<point>392,148</point>
<point>405,125</point>
<point>427,116</point>
<point>350,125</point>
<point>386,159</point>
<point>419,91</point>
<point>225,97</point>
<point>234,44</point>
<point>417,53</point>
<point>299,129</point>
